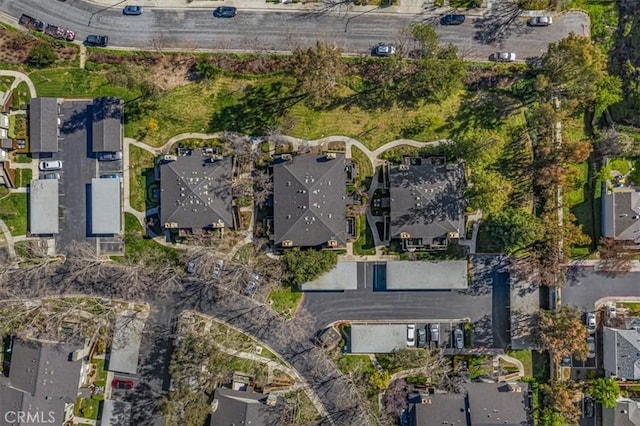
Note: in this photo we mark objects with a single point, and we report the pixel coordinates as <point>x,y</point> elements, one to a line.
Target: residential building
<point>107,115</point>
<point>44,380</point>
<point>625,413</point>
<point>43,207</point>
<point>411,275</point>
<point>106,206</point>
<point>125,346</point>
<point>621,353</point>
<point>427,203</point>
<point>377,338</point>
<point>621,214</point>
<point>43,125</point>
<point>115,413</point>
<point>309,201</point>
<point>196,193</point>
<point>233,407</point>
<point>481,404</point>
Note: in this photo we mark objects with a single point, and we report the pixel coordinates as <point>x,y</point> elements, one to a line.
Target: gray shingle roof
<point>241,408</point>
<point>625,413</point>
<point>622,353</point>
<point>439,409</point>
<point>46,410</point>
<point>195,193</point>
<point>419,275</point>
<point>107,113</point>
<point>309,200</point>
<point>43,125</point>
<point>43,207</point>
<point>106,212</point>
<point>125,347</point>
<point>427,199</point>
<point>45,369</point>
<point>619,209</point>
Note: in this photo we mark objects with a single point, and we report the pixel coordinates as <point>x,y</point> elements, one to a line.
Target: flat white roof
<point>43,206</point>
<point>115,413</point>
<point>378,338</point>
<point>421,275</point>
<point>126,344</point>
<point>343,277</point>
<point>106,209</point>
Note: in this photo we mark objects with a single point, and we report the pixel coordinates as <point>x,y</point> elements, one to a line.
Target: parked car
<point>613,311</point>
<point>97,40</point>
<point>588,407</point>
<point>383,49</point>
<point>452,20</point>
<point>411,335</point>
<point>504,57</point>
<point>459,334</point>
<point>250,288</point>
<point>540,21</point>
<point>225,12</point>
<point>434,331</point>
<point>50,165</point>
<point>566,361</point>
<point>31,23</point>
<point>591,322</point>
<point>110,156</point>
<point>217,268</point>
<point>191,267</point>
<point>52,175</point>
<point>422,338</point>
<point>591,344</point>
<point>132,10</point>
<point>122,384</point>
<point>109,176</point>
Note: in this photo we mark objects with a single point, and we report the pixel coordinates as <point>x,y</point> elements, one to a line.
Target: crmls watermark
<point>30,417</point>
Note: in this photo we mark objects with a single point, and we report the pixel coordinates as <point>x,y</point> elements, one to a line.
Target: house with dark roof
<point>621,214</point>
<point>44,377</point>
<point>309,201</point>
<point>43,125</point>
<point>427,203</point>
<point>196,193</point>
<point>232,407</point>
<point>107,115</point>
<point>481,404</point>
<point>625,413</point>
<point>621,353</point>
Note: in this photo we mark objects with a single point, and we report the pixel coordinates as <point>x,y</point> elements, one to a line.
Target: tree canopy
<point>307,265</point>
<point>490,191</point>
<point>560,409</point>
<point>316,71</point>
<point>562,333</point>
<point>606,391</point>
<point>42,55</point>
<point>515,229</point>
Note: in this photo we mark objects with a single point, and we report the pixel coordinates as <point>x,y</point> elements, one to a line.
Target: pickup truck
<point>59,32</point>
<point>31,23</point>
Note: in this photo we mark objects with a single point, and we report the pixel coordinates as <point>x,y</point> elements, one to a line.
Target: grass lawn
<point>540,366</point>
<point>140,171</point>
<point>526,358</point>
<point>306,413</point>
<point>234,363</point>
<point>355,364</point>
<point>284,300</point>
<point>23,158</point>
<point>13,211</point>
<point>76,83</point>
<point>604,20</point>
<point>5,83</point>
<point>577,195</point>
<point>619,164</point>
<point>88,408</point>
<point>101,373</point>
<point>634,307</point>
<point>137,246</point>
<point>365,169</point>
<point>23,177</point>
<point>230,338</point>
<point>21,96</point>
<point>364,245</point>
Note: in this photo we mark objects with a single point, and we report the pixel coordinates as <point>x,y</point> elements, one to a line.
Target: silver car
<point>383,49</point>
<point>217,268</point>
<point>540,21</point>
<point>459,338</point>
<point>504,57</point>
<point>52,175</point>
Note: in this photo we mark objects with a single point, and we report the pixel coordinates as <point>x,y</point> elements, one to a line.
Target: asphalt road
<point>255,30</point>
<point>585,286</point>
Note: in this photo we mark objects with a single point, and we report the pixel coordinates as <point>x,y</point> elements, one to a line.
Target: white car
<point>411,335</point>
<point>46,166</point>
<point>383,49</point>
<point>217,268</point>
<point>591,344</point>
<point>613,312</point>
<point>504,57</point>
<point>591,322</point>
<point>540,21</point>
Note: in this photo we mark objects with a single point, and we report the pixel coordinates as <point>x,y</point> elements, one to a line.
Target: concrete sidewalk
<point>412,7</point>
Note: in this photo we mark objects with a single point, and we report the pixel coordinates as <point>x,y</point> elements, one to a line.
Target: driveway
<point>585,286</point>
<point>255,30</point>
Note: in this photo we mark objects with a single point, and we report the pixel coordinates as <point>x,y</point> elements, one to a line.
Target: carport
<point>106,209</point>
<point>343,277</point>
<point>43,207</point>
<point>419,275</point>
<point>378,338</point>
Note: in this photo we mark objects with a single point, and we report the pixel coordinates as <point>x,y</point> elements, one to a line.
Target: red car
<point>122,384</point>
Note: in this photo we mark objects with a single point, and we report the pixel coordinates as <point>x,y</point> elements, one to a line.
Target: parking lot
<point>79,166</point>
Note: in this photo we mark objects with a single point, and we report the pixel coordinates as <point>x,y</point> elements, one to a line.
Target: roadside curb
<point>616,299</point>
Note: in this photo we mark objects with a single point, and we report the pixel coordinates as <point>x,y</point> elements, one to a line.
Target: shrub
<point>42,55</point>
<point>534,4</point>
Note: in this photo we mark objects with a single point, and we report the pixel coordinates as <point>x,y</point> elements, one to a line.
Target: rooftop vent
<point>332,243</point>
<point>404,167</point>
<point>171,225</point>
<point>405,235</point>
<point>286,157</point>
<point>331,155</point>
<point>287,243</point>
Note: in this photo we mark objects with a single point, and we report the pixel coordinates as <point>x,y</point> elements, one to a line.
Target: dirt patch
<point>14,47</point>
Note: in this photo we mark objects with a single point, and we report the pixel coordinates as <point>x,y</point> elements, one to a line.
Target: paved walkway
<point>514,361</point>
<point>18,78</point>
<point>9,238</point>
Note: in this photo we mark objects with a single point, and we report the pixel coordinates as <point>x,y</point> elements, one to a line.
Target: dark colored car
<point>97,40</point>
<point>110,156</point>
<point>452,20</point>
<point>588,407</point>
<point>132,10</point>
<point>191,267</point>
<point>225,12</point>
<point>122,384</point>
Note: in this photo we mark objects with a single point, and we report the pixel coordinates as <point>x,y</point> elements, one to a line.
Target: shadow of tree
<point>499,25</point>
<point>258,109</point>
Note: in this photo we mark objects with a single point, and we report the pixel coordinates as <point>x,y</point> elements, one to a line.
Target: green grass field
<point>13,211</point>
<point>284,300</point>
<point>76,83</point>
<point>526,358</point>
<point>140,171</point>
<point>364,245</point>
